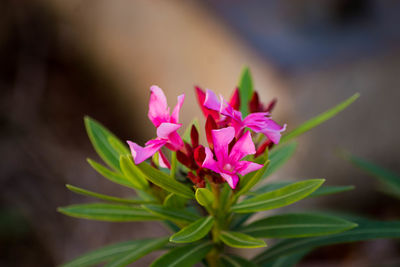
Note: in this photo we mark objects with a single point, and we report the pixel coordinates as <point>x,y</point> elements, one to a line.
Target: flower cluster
<point>229,136</point>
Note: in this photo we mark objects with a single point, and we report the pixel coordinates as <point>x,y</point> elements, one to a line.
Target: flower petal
<point>231,179</point>
<point>212,102</point>
<point>201,96</point>
<point>163,161</point>
<point>140,154</point>
<point>273,131</point>
<point>245,167</point>
<point>221,140</point>
<point>158,108</point>
<point>166,128</point>
<point>175,142</point>
<point>177,108</point>
<point>209,162</point>
<point>234,102</point>
<point>243,147</point>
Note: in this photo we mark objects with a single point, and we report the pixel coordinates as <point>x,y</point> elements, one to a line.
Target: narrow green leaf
<point>174,164</point>
<point>118,146</point>
<point>278,198</point>
<point>133,173</point>
<point>235,261</point>
<point>321,191</point>
<point>174,201</point>
<point>194,231</point>
<point>287,261</point>
<point>99,136</point>
<point>164,181</point>
<point>240,240</point>
<point>245,90</point>
<point>297,225</point>
<point>110,252</point>
<point>366,230</point>
<point>313,122</point>
<point>330,189</point>
<point>88,193</point>
<point>108,212</point>
<point>171,214</point>
<point>279,156</point>
<point>204,197</point>
<point>253,180</point>
<point>390,179</point>
<point>185,256</point>
<point>144,249</point>
<point>110,175</point>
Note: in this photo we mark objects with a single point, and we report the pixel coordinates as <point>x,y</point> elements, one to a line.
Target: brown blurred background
<point>61,60</point>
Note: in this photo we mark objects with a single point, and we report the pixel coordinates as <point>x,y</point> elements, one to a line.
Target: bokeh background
<point>61,60</point>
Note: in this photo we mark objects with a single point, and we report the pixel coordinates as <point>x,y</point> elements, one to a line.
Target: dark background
<point>61,60</point>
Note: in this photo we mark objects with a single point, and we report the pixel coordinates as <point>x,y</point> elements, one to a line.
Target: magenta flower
<point>167,125</point>
<point>228,163</point>
<point>259,122</point>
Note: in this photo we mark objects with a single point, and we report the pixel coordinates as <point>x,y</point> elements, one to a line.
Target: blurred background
<point>61,60</point>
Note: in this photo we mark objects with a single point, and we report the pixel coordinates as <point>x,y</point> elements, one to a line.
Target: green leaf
<point>108,212</point>
<point>164,181</point>
<point>330,189</point>
<point>118,146</point>
<point>279,156</point>
<point>278,198</point>
<point>390,179</point>
<point>174,164</point>
<point>133,173</point>
<point>174,201</point>
<point>253,180</point>
<point>185,256</point>
<point>297,225</point>
<point>240,240</point>
<point>204,197</point>
<point>194,231</point>
<point>144,249</point>
<point>235,261</point>
<point>110,175</point>
<point>88,193</point>
<point>288,260</point>
<point>245,90</point>
<point>321,191</point>
<point>313,122</point>
<point>171,214</point>
<point>112,251</point>
<point>99,137</point>
<point>366,230</point>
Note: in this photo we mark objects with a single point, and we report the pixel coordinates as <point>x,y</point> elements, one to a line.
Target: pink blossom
<point>167,126</point>
<point>228,163</point>
<point>259,122</point>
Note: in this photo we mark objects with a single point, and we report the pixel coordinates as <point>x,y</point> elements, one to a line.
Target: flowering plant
<point>206,194</point>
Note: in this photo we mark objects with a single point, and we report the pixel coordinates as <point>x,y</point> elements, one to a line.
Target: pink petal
<point>221,140</point>
<point>273,131</point>
<point>166,128</point>
<point>163,161</point>
<point>243,147</point>
<point>140,154</point>
<point>209,162</point>
<point>212,102</point>
<point>158,108</point>
<point>177,108</point>
<point>245,167</point>
<point>201,96</point>
<point>175,142</point>
<point>232,179</point>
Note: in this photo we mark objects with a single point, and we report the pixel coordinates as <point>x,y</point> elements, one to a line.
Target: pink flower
<point>228,163</point>
<point>259,121</point>
<point>167,125</point>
